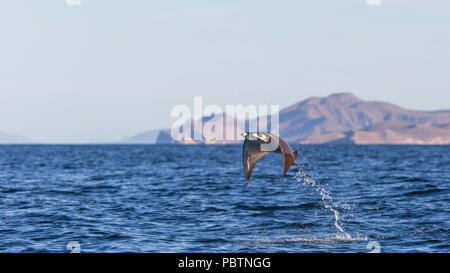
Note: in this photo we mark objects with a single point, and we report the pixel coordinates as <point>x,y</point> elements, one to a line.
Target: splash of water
<point>303,178</point>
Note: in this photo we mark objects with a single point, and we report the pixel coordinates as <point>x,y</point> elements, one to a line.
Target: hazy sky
<point>110,68</point>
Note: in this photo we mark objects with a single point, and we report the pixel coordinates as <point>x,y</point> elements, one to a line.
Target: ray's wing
<point>251,153</point>
<point>288,155</point>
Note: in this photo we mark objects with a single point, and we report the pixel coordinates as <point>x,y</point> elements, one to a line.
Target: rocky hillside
<point>344,118</point>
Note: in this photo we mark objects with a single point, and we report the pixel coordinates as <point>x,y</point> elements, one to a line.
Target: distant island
<point>343,118</point>
<point>148,137</point>
<point>12,139</point>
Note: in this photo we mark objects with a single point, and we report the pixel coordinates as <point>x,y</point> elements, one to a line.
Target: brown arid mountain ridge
<point>345,119</point>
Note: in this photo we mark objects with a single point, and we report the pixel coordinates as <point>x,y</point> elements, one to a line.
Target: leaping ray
<point>256,145</point>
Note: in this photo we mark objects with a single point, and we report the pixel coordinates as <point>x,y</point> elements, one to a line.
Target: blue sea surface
<point>170,198</point>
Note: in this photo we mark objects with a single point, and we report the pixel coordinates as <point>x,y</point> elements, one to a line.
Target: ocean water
<point>168,198</point>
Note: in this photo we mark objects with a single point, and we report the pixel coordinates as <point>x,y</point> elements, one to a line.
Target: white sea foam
<point>332,239</point>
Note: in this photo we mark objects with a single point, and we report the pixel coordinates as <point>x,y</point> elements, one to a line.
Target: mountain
<point>12,139</point>
<point>227,122</point>
<point>148,137</point>
<point>344,118</point>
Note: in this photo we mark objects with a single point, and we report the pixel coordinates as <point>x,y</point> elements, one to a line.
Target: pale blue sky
<point>111,68</point>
